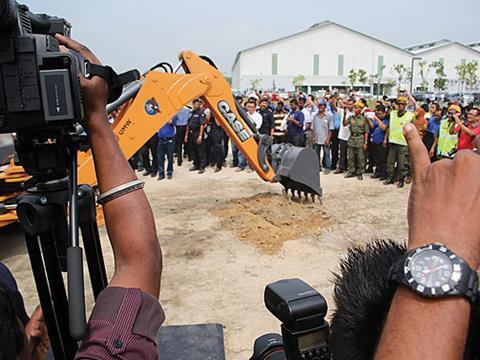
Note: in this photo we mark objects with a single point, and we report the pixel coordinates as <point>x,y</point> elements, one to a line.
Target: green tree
<point>352,77</point>
<point>423,71</point>
<point>472,74</point>
<point>298,80</point>
<point>362,76</point>
<point>440,82</point>
<point>254,83</point>
<point>388,86</point>
<point>462,75</point>
<point>399,70</point>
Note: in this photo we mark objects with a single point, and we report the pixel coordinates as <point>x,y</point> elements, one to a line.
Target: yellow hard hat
<point>455,108</point>
<point>359,104</point>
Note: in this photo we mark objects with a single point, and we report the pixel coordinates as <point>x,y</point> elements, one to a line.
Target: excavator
<point>150,102</point>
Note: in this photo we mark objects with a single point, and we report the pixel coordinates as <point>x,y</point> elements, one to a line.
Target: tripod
<point>53,247</point>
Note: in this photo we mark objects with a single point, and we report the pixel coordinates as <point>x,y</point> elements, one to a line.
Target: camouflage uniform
<point>356,152</point>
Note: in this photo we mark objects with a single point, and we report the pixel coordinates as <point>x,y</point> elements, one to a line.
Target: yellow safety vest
<point>446,142</point>
<point>395,132</point>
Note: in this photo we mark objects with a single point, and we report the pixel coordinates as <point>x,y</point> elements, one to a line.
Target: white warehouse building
<point>322,56</point>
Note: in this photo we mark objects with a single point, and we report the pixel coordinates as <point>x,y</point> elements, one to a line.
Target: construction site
<point>226,235</point>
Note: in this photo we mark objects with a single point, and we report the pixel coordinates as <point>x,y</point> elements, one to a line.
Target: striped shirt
<point>278,118</point>
<point>123,325</point>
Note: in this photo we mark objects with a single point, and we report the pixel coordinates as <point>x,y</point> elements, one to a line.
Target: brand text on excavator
<point>232,120</point>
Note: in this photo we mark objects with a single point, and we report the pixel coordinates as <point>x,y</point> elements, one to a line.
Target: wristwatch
<point>434,271</point>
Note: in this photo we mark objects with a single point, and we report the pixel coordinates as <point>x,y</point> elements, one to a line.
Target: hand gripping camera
<point>305,333</point>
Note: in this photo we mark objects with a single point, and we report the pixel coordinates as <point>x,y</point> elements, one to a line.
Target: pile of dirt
<point>267,221</point>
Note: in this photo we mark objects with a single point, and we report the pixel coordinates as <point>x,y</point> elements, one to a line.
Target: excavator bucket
<point>297,169</point>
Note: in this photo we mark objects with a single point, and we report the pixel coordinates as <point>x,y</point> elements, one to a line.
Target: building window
<point>316,64</point>
<point>274,64</point>
<point>340,65</point>
<point>380,65</point>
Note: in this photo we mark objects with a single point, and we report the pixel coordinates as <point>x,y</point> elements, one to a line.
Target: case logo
<point>151,107</point>
<point>232,120</point>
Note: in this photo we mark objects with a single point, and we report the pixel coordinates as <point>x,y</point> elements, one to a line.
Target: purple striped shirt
<point>123,325</point>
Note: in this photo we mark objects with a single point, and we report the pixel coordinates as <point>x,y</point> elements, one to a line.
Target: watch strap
<point>467,285</point>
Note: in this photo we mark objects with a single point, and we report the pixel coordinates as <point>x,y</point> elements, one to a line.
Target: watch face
<point>431,268</point>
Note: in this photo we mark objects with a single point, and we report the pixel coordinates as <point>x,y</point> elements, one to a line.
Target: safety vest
<point>395,132</point>
<point>446,142</point>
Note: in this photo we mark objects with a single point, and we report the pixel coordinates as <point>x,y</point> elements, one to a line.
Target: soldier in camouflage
<point>357,143</point>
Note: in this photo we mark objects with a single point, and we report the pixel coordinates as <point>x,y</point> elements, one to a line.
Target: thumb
<point>418,151</point>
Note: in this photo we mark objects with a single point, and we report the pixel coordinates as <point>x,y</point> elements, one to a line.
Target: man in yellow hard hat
<point>447,142</point>
<point>357,143</point>
<point>398,151</point>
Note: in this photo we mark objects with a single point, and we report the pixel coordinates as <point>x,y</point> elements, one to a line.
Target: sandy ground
<point>215,272</point>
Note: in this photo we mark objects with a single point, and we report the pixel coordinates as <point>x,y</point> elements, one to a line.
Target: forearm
<point>129,218</point>
<point>466,130</point>
<point>445,320</point>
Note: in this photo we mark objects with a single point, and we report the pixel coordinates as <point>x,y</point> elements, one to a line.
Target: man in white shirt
<point>251,108</point>
<point>309,110</point>
<point>343,136</point>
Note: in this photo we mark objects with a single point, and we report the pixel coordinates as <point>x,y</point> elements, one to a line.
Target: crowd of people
<point>349,134</point>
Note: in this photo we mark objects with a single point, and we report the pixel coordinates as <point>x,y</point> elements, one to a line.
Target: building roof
<point>316,27</point>
<point>426,50</point>
<point>426,45</point>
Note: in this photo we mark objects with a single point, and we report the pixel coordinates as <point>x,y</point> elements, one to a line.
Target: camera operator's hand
<point>457,224</point>
<point>94,90</point>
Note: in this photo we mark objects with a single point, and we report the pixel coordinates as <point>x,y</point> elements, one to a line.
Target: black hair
<point>251,102</point>
<point>381,107</point>
<point>280,103</point>
<point>362,298</point>
<point>294,101</point>
<point>425,107</point>
<point>362,100</point>
<point>12,339</point>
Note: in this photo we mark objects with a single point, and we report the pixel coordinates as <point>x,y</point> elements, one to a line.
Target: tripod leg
<point>93,253</point>
<point>59,295</point>
<point>44,295</point>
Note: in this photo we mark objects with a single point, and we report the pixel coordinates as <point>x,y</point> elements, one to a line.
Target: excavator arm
<point>153,101</point>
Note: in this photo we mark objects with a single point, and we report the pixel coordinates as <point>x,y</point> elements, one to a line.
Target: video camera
<point>39,85</point>
<point>305,333</point>
<point>40,97</point>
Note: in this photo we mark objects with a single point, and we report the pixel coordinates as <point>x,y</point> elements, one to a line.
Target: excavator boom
<point>159,96</point>
<point>151,102</point>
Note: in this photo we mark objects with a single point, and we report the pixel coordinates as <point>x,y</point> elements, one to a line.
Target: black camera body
<point>302,311</point>
<point>39,85</point>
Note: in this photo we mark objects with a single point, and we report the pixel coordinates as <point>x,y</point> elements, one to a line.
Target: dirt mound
<point>266,221</point>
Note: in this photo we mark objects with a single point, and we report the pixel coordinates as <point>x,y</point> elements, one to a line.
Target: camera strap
<point>115,81</point>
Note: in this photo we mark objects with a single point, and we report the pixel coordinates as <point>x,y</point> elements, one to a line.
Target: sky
<point>138,34</point>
